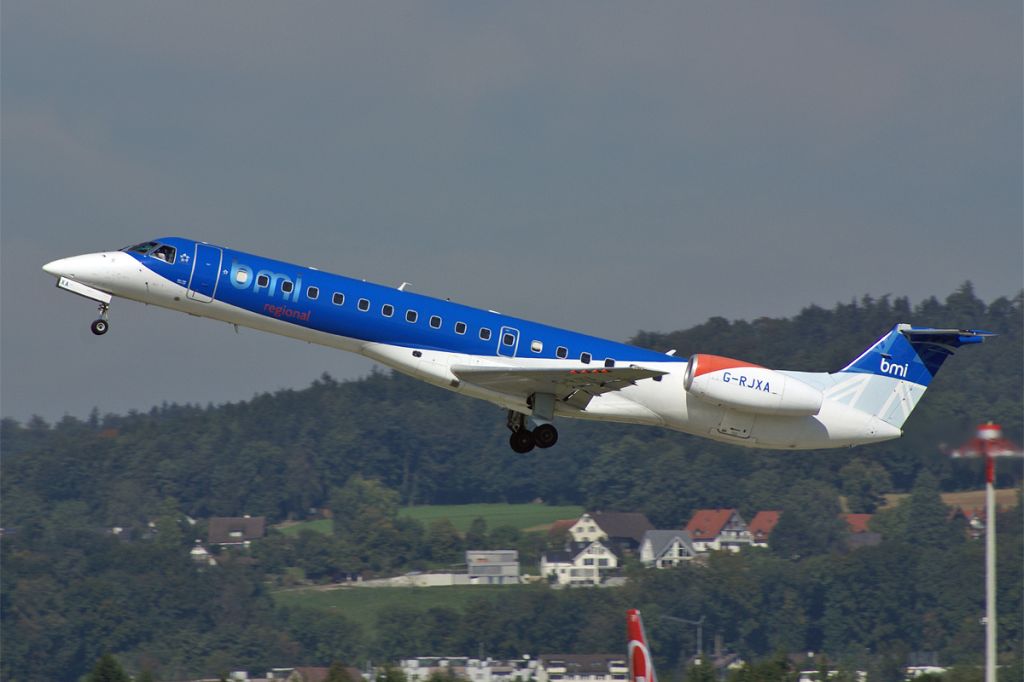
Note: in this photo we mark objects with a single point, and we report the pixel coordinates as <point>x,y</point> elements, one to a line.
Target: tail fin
<point>641,665</point>
<point>889,378</point>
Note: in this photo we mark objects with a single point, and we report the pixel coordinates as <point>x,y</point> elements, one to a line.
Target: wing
<point>574,386</point>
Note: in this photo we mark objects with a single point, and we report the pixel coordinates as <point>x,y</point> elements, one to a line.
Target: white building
<point>497,567</point>
<point>665,548</point>
<point>579,564</point>
<point>582,668</point>
<point>472,669</point>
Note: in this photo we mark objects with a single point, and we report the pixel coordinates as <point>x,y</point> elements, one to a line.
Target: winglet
<point>641,666</point>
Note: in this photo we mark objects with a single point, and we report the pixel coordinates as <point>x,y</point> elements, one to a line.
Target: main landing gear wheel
<point>545,435</point>
<point>522,441</point>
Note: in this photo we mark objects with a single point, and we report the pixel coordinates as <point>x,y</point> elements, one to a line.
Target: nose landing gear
<point>99,327</point>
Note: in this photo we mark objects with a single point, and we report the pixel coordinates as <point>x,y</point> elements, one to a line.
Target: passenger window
<point>485,333</point>
<point>536,346</point>
<point>460,327</point>
<point>562,352</point>
<point>435,321</point>
<point>508,340</point>
<point>363,305</point>
<point>287,286</point>
<point>387,310</point>
<point>313,292</point>
<point>263,281</point>
<point>608,362</point>
<point>585,358</point>
<point>242,276</point>
<point>411,315</point>
<point>338,298</point>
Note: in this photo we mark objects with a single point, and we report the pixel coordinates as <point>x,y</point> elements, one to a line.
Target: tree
<point>809,523</point>
<point>444,542</point>
<point>927,523</point>
<point>338,673</point>
<point>864,484</point>
<point>476,536</point>
<point>107,669</point>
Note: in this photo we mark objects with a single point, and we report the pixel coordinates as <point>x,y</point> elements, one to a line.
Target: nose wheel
<point>101,326</point>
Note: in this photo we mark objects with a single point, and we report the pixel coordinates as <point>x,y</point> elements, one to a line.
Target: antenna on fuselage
<point>403,285</point>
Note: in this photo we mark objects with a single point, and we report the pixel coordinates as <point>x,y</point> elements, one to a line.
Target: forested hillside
<point>279,455</point>
<point>71,591</point>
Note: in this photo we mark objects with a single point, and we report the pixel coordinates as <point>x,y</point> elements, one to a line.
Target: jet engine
<point>746,387</point>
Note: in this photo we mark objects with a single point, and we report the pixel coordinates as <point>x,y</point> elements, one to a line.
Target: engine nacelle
<point>749,388</point>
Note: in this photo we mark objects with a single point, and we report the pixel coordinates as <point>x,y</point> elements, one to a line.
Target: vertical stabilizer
<point>889,378</point>
<point>641,666</point>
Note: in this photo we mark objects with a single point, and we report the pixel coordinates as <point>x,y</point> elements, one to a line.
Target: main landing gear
<point>523,439</point>
<point>99,327</point>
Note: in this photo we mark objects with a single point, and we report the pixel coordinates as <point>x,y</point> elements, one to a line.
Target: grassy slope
<point>521,516</point>
<point>364,603</point>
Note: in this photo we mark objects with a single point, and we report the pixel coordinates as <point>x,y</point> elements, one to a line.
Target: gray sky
<point>603,166</point>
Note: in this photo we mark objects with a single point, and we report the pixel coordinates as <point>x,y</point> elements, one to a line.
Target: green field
<point>521,516</point>
<point>364,603</point>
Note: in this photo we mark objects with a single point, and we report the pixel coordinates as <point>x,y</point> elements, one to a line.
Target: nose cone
<point>58,267</point>
<point>90,268</point>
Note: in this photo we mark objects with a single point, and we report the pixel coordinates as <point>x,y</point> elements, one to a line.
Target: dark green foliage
<point>71,591</point>
<point>107,669</point>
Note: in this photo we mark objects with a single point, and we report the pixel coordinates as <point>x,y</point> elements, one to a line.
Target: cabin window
<point>585,358</point>
<point>508,340</point>
<point>460,327</point>
<point>262,281</point>
<point>338,298</point>
<point>562,352</point>
<point>387,310</point>
<point>608,362</point>
<point>363,305</point>
<point>435,321</point>
<point>536,346</point>
<point>411,315</point>
<point>485,333</point>
<point>242,276</point>
<point>313,292</point>
<point>287,286</point>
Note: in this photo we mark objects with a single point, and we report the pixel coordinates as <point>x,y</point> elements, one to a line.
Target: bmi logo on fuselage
<point>242,277</point>
<point>892,369</point>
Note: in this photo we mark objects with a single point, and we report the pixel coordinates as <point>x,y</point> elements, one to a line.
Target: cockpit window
<point>143,248</point>
<point>155,249</point>
<point>164,253</point>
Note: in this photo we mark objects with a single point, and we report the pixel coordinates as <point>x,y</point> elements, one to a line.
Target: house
<point>472,669</point>
<point>665,548</point>
<point>495,567</point>
<point>582,668</point>
<point>860,534</point>
<point>581,563</point>
<point>622,530</point>
<point>718,529</point>
<point>761,527</point>
<point>236,531</point>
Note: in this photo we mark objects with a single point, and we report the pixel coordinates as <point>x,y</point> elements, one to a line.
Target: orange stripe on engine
<point>713,363</point>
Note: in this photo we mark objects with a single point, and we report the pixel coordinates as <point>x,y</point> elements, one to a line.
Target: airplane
<point>534,371</point>
<point>641,665</point>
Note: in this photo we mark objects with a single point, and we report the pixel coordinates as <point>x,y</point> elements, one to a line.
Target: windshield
<point>154,250</point>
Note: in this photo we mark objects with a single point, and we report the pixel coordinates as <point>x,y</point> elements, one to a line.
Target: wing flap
<point>572,385</point>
